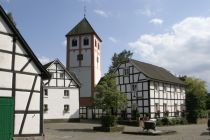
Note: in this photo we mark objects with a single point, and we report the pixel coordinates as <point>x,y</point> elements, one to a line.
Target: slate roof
<point>83,27</point>
<point>155,72</point>
<point>16,34</point>
<point>74,77</point>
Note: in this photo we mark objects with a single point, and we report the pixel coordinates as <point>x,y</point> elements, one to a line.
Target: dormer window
<point>86,41</point>
<point>126,71</point>
<point>74,43</point>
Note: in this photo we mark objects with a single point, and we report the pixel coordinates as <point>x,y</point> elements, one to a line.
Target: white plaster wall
<point>56,101</point>
<point>19,48</point>
<point>32,68</point>
<point>5,93</point>
<point>84,76</point>
<point>6,79</point>
<point>5,60</point>
<point>17,123</point>
<point>28,81</point>
<point>86,57</point>
<point>21,61</point>
<point>73,58</point>
<point>32,124</point>
<point>21,100</point>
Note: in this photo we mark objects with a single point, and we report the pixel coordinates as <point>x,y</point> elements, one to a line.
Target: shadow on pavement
<point>76,130</point>
<point>205,133</point>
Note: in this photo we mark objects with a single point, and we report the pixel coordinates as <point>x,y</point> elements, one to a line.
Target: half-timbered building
<point>150,89</point>
<point>61,93</point>
<point>21,76</point>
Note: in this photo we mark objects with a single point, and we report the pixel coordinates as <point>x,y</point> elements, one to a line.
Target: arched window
<point>86,41</point>
<point>74,43</point>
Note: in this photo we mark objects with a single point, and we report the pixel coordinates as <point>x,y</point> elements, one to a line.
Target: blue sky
<point>174,34</point>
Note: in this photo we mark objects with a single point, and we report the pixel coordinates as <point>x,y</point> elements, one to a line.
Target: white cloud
<point>112,39</point>
<point>146,12</point>
<point>101,13</point>
<point>156,21</point>
<point>185,49</point>
<point>64,43</point>
<point>44,59</point>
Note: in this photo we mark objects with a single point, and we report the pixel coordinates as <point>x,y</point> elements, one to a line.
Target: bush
<point>183,121</point>
<point>165,121</point>
<point>108,121</point>
<point>159,122</point>
<point>135,114</point>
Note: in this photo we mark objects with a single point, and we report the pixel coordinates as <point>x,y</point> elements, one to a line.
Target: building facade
<point>21,96</point>
<point>84,59</point>
<point>61,94</point>
<point>150,89</point>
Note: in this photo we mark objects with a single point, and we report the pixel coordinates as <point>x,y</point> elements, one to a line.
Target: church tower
<point>84,59</point>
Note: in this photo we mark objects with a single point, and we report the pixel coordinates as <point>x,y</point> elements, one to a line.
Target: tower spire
<point>85,10</point>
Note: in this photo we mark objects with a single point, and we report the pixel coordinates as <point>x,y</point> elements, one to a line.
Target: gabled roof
<point>155,72</point>
<point>16,33</point>
<point>71,74</point>
<point>83,27</point>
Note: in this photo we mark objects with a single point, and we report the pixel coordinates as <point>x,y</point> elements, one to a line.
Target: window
<point>79,57</point>
<point>74,43</point>
<point>66,108</point>
<point>126,71</point>
<point>133,87</point>
<point>66,93</point>
<point>157,107</point>
<point>52,74</point>
<point>98,46</point>
<point>45,107</point>
<point>95,43</point>
<point>86,41</point>
<point>175,107</point>
<point>165,89</point>
<point>156,86</point>
<point>164,107</point>
<point>46,92</point>
<point>182,107</point>
<point>61,75</point>
<point>97,59</point>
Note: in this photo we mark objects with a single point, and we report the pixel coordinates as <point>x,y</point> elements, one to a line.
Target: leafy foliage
<point>196,94</point>
<point>108,97</point>
<point>108,121</point>
<point>119,58</point>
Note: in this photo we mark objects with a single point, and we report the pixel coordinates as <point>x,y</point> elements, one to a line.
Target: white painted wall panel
<point>32,124</point>
<point>6,42</point>
<point>21,99</point>
<point>32,68</point>
<point>17,123</point>
<point>38,84</point>
<point>28,81</point>
<point>5,93</point>
<point>20,61</point>
<point>35,102</point>
<point>19,48</point>
<point>7,82</point>
<point>5,60</point>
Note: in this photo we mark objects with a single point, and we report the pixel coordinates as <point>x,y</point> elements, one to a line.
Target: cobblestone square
<point>83,131</point>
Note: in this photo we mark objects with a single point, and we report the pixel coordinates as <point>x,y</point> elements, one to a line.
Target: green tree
<point>119,58</point>
<point>108,97</point>
<point>196,94</point>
